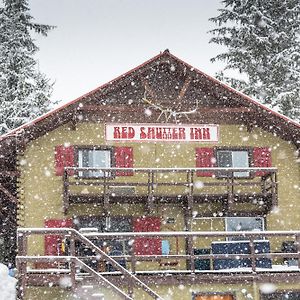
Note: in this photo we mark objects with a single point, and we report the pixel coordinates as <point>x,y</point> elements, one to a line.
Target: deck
<point>249,261</point>
<point>170,185</point>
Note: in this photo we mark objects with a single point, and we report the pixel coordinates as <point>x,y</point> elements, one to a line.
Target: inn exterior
<point>161,184</point>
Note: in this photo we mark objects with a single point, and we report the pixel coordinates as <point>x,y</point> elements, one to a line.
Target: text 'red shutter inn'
<point>205,159</point>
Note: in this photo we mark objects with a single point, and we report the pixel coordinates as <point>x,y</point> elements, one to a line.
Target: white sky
<point>98,40</point>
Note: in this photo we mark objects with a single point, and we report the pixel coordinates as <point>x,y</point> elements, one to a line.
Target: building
<point>174,185</point>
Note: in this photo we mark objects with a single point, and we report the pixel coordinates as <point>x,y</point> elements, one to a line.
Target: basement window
<point>284,295</point>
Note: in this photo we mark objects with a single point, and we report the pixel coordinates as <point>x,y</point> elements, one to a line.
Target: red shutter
<point>53,242</point>
<point>64,157</point>
<point>59,160</point>
<point>205,158</point>
<point>147,246</point>
<point>124,159</point>
<point>262,158</point>
<point>69,159</point>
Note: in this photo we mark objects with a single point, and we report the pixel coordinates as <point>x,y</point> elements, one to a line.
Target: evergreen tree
<point>24,91</point>
<point>263,44</point>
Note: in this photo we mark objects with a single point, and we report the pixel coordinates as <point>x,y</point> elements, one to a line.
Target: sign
<point>162,132</point>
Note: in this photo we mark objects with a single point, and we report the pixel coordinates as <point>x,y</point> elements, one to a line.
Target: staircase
<point>75,264</point>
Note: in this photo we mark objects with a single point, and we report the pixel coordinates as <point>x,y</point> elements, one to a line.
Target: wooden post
<point>66,200</point>
<point>130,288</point>
<point>72,263</point>
<point>230,182</point>
<point>263,185</point>
<point>132,259</point>
<point>106,199</point>
<point>252,253</point>
<point>274,190</point>
<point>298,248</point>
<point>189,240</point>
<point>22,265</point>
<point>150,198</point>
<point>191,254</point>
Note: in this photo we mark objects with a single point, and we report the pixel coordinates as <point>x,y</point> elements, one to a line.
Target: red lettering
<point>142,133</point>
<point>124,132</point>
<point>182,133</point>
<point>197,134</point>
<point>192,136</point>
<point>131,132</point>
<point>158,133</point>
<point>117,134</point>
<point>206,133</point>
<point>174,134</point>
<point>151,133</point>
<point>164,136</point>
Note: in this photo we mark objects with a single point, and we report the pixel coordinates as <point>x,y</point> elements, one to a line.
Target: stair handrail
<point>84,266</point>
<point>124,271</point>
<point>74,234</point>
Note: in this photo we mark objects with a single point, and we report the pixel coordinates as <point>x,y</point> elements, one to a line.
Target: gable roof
<point>268,118</point>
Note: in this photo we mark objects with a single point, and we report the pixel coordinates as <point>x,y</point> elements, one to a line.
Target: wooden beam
<point>148,89</point>
<point>9,173</point>
<point>150,204</point>
<point>8,194</point>
<point>203,110</point>
<point>184,88</point>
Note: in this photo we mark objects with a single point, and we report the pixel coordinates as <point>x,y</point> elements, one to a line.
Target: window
<point>284,295</point>
<point>108,224</point>
<point>213,296</point>
<point>94,158</point>
<point>233,159</point>
<point>244,224</point>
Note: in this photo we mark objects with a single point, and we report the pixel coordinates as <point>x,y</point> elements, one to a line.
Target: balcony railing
<point>257,253</point>
<point>230,184</point>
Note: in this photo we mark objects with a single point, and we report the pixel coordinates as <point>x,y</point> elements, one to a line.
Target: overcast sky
<point>97,40</point>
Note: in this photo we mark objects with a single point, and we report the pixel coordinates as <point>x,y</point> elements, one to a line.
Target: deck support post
<point>21,266</point>
<point>72,263</point>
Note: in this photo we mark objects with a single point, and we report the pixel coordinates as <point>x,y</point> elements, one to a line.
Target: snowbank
<point>7,284</point>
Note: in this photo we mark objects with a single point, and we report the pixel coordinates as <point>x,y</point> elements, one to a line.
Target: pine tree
<point>263,45</point>
<point>24,90</point>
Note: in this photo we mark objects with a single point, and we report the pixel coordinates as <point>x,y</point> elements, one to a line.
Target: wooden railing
<point>224,181</point>
<point>137,264</point>
<point>72,236</point>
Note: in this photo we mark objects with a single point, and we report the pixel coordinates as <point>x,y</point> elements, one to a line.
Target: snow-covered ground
<point>7,284</point>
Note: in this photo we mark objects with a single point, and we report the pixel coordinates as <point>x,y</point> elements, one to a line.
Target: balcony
<point>170,185</point>
<point>260,257</point>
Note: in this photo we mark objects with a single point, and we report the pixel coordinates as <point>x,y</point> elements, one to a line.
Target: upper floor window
<point>233,159</point>
<point>71,157</point>
<point>94,158</point>
<point>243,158</point>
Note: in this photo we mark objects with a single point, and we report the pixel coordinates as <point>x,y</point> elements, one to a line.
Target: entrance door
<point>214,297</point>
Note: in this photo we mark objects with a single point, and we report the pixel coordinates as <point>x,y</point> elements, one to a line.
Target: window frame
<point>278,293</point>
<point>95,147</point>
<point>232,149</point>
<point>196,294</point>
<point>117,219</point>
<point>253,217</point>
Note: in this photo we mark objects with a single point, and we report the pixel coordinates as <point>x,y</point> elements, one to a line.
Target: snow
<point>7,284</point>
